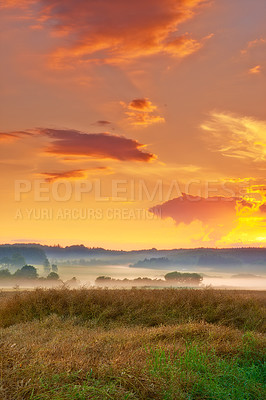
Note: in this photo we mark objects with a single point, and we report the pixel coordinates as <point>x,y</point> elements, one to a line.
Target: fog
<point>86,276</point>
<point>236,283</point>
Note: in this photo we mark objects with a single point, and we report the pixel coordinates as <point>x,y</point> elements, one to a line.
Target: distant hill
<point>156,262</point>
<point>32,253</point>
<point>236,260</point>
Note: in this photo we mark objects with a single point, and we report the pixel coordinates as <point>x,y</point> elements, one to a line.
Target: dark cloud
<point>218,214</point>
<point>102,123</point>
<point>71,142</point>
<point>263,208</point>
<point>187,208</point>
<point>98,145</point>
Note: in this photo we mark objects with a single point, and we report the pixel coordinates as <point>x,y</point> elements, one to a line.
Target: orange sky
<point>133,124</point>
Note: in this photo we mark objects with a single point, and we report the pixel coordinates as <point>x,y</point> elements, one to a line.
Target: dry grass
<point>242,310</point>
<point>99,344</point>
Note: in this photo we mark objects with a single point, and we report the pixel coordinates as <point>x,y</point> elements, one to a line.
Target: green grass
<point>202,374</point>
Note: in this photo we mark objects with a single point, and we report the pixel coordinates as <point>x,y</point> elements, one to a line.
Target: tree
<point>54,268</point>
<point>17,260</point>
<point>53,276</point>
<point>5,273</point>
<point>103,278</point>
<point>5,261</point>
<point>28,271</point>
<point>184,277</point>
<point>46,266</point>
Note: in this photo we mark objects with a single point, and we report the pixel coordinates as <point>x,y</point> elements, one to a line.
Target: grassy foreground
<point>132,344</point>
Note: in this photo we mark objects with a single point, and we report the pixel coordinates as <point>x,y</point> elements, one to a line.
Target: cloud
<point>10,136</point>
<point>102,123</point>
<point>54,176</point>
<point>255,70</point>
<point>238,137</point>
<point>141,112</point>
<point>115,31</point>
<point>254,53</point>
<point>253,43</point>
<point>183,46</point>
<point>7,136</point>
<point>187,208</point>
<point>72,174</point>
<point>98,145</point>
<point>144,118</point>
<point>70,142</point>
<point>263,208</point>
<point>16,3</point>
<point>142,105</point>
<point>218,214</point>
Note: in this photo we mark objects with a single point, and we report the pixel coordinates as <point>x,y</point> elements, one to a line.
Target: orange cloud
<point>142,105</point>
<point>255,70</point>
<point>115,31</point>
<point>183,46</point>
<point>144,118</point>
<point>253,43</point>
<point>141,112</point>
<point>53,176</point>
<point>9,136</point>
<point>16,3</point>
<point>73,174</point>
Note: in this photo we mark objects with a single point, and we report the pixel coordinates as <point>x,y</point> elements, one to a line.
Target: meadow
<point>132,344</point>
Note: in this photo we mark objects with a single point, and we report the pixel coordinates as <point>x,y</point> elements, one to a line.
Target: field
<point>132,344</point>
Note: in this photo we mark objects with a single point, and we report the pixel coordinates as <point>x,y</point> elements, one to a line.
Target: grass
<point>132,344</point>
<point>200,373</point>
<point>138,307</point>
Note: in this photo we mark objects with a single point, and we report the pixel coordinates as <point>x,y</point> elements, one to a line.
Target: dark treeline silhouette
<point>170,279</point>
<point>228,260</point>
<point>155,262</point>
<point>26,272</point>
<point>14,256</point>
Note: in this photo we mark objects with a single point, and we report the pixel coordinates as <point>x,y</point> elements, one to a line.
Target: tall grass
<point>137,307</point>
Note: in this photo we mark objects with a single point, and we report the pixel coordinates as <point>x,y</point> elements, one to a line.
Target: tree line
<point>27,272</point>
<point>171,278</point>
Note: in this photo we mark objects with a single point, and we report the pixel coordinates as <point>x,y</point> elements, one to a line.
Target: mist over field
<point>218,268</point>
<point>87,276</point>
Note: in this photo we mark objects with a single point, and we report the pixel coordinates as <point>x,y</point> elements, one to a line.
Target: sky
<point>132,125</point>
